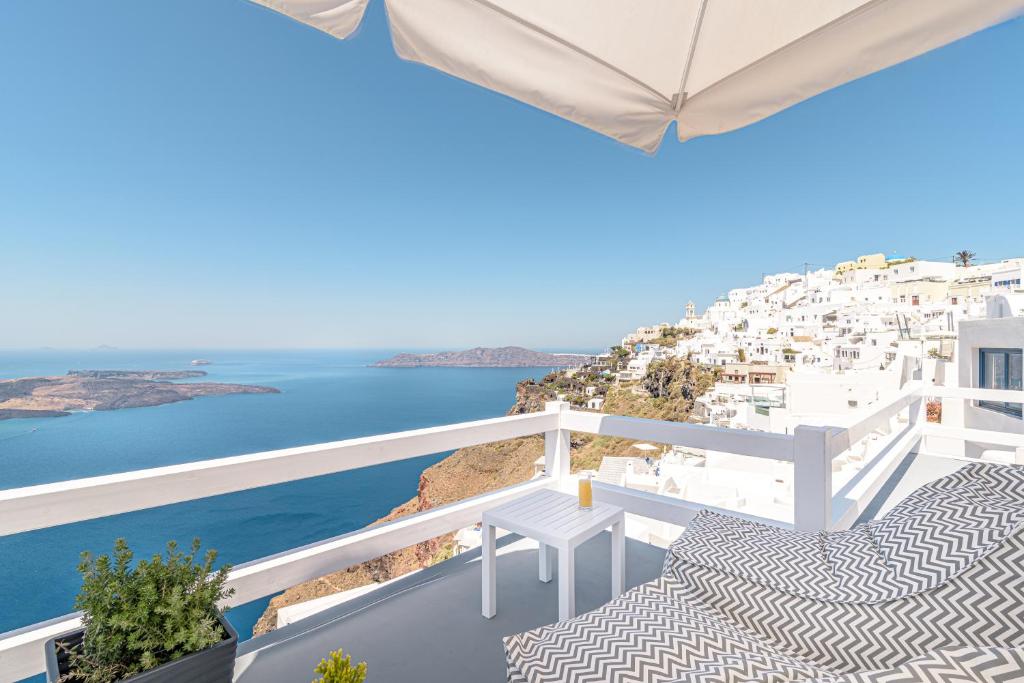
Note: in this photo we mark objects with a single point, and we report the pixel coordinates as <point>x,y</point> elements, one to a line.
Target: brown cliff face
<point>531,397</point>
<point>467,472</point>
<point>478,469</point>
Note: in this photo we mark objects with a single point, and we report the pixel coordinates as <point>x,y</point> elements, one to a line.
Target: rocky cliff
<point>478,469</point>
<point>467,472</point>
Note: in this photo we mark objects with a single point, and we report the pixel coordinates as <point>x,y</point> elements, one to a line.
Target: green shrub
<point>137,618</point>
<point>337,668</point>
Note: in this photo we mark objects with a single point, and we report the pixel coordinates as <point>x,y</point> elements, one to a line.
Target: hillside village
<point>798,346</point>
<point>812,348</point>
<point>815,348</point>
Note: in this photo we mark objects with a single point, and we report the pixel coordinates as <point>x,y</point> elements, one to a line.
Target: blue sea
<point>325,396</point>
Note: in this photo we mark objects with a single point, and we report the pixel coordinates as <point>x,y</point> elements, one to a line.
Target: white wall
<point>813,394</point>
<point>1000,333</point>
<point>919,269</point>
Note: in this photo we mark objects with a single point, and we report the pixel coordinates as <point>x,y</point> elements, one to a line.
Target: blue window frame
<point>1001,369</point>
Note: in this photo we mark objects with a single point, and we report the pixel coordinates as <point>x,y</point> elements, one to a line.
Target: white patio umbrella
<point>628,68</point>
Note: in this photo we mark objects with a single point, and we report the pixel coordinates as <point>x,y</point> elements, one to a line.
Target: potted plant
<point>156,621</point>
<point>337,668</point>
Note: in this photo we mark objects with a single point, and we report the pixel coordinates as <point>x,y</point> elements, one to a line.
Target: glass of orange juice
<point>586,492</point>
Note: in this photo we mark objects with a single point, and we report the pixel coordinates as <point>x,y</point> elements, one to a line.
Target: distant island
<point>151,375</point>
<point>480,357</point>
<point>107,390</point>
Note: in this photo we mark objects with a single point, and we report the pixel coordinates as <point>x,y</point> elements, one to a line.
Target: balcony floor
<point>428,628</point>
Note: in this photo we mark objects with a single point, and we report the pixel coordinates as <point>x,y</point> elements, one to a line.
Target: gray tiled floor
<point>427,628</point>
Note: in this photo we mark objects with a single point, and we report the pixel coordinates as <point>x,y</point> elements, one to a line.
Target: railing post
<point>812,478</point>
<point>917,411</point>
<point>917,416</point>
<point>556,447</point>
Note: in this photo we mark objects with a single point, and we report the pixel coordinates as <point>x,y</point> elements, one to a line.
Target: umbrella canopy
<point>645,447</point>
<point>628,69</point>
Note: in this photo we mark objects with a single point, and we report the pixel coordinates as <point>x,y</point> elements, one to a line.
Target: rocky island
<point>481,357</point>
<point>107,390</point>
<point>149,375</point>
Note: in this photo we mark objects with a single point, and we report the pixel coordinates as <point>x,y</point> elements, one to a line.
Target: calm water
<point>326,395</point>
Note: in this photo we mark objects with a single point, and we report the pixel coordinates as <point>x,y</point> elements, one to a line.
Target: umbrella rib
<point>824,27</point>
<point>575,48</point>
<point>681,93</point>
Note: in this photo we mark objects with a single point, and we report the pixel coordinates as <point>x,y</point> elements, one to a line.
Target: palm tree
<point>964,257</point>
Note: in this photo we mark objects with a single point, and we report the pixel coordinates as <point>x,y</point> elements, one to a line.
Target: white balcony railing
<point>811,449</point>
<point>996,438</point>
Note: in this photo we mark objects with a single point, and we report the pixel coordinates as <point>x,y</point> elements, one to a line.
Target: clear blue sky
<point>208,173</point>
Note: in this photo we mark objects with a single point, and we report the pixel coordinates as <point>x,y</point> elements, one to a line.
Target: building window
<point>915,300</point>
<point>953,301</point>
<point>1001,369</point>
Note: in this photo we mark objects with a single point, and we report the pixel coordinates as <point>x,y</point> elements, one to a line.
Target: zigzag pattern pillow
<point>930,537</point>
<point>933,592</point>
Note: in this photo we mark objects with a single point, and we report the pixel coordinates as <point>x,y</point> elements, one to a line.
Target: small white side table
<point>556,521</point>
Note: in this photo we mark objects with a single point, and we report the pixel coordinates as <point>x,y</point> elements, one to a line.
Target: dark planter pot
<point>213,665</point>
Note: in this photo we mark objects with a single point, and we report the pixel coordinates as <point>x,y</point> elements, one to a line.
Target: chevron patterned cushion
<point>741,602</point>
<point>982,664</point>
<point>651,634</point>
<point>983,606</point>
<point>934,534</point>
